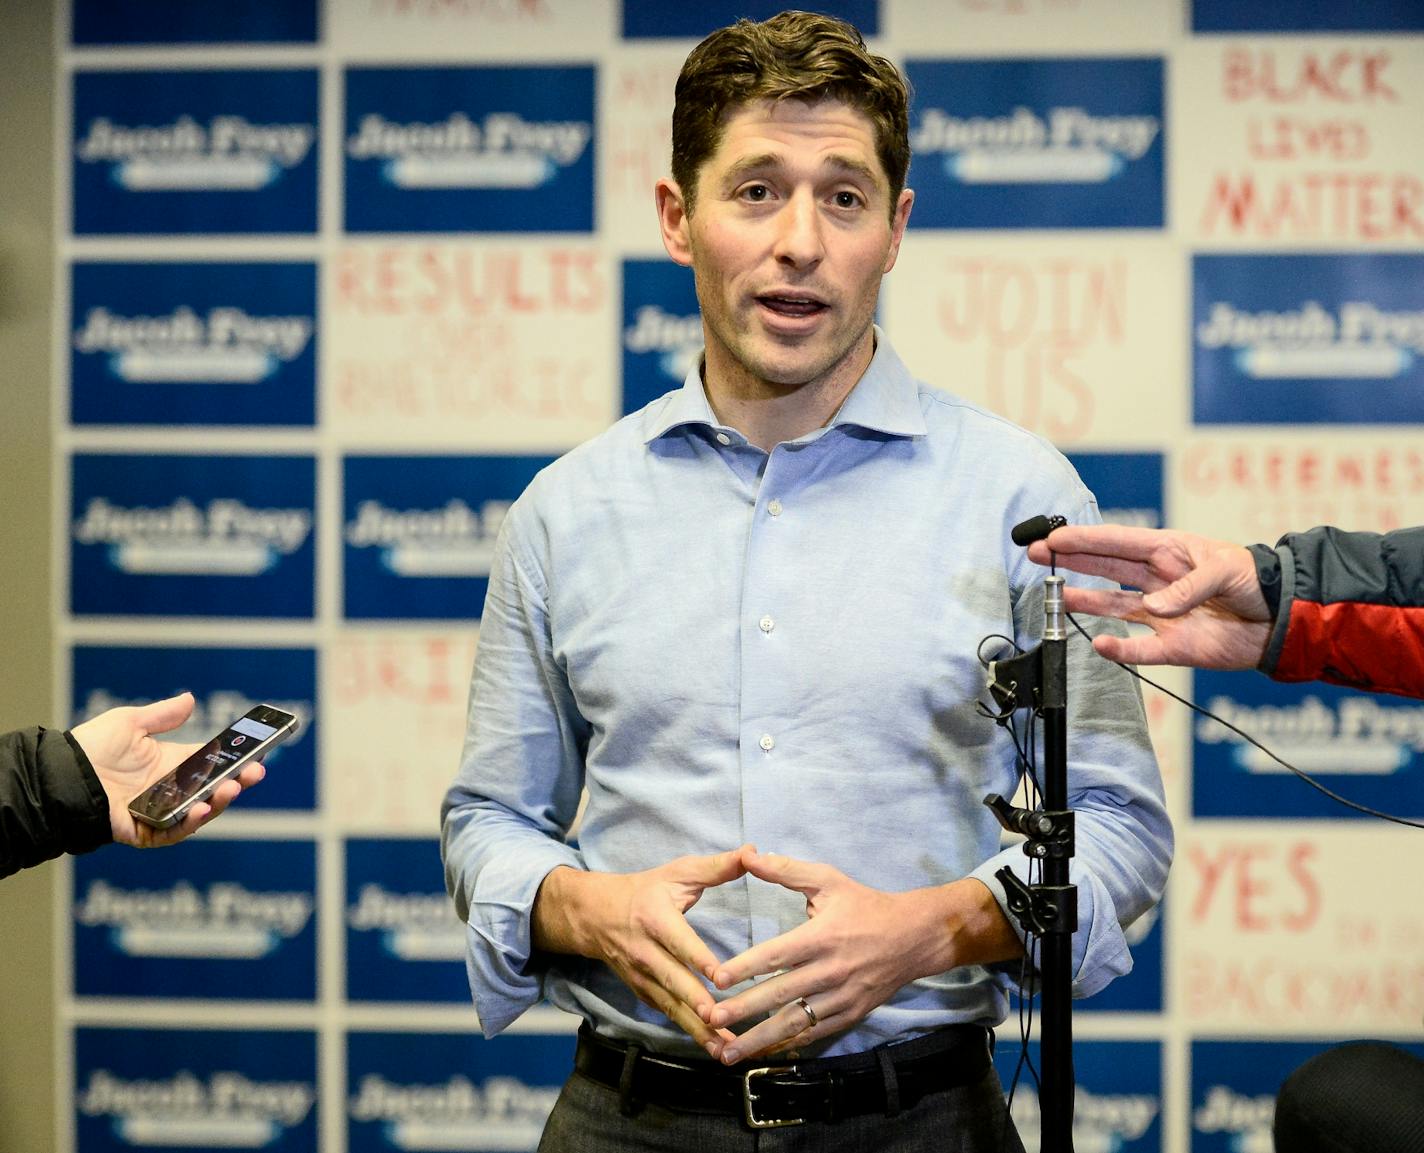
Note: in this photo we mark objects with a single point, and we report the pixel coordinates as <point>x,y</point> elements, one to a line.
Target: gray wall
<point>27,1092</point>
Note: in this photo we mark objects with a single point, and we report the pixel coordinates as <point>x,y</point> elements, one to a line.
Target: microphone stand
<point>1038,680</point>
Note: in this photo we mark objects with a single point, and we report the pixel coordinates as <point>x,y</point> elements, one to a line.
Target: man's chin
<point>787,379</point>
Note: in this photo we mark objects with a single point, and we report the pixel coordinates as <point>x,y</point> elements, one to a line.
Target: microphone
<point>1035,528</point>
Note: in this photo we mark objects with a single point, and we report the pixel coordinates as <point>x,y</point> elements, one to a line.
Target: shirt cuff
<point>505,977</point>
<point>1099,952</point>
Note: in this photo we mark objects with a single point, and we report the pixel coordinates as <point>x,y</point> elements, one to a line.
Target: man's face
<point>789,237</point>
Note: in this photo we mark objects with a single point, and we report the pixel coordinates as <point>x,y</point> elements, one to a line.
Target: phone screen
<point>210,761</point>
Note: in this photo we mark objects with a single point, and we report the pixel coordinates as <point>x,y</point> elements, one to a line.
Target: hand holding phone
<point>249,738</point>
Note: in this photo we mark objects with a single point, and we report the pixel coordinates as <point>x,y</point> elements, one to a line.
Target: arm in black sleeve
<point>50,800</point>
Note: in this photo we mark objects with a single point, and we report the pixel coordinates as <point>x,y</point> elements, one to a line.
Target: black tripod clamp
<point>1039,909</point>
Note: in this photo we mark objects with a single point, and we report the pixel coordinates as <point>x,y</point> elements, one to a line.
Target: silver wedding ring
<point>810,1012</point>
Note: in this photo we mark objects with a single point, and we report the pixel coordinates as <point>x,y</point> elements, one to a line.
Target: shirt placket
<point>770,672</point>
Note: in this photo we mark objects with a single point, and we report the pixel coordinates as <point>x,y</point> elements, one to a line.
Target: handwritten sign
<point>1288,930</point>
<point>1252,487</point>
<point>1300,141</point>
<point>1071,340</point>
<point>481,344</point>
<point>394,714</point>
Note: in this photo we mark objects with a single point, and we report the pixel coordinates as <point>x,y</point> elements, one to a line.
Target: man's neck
<point>767,421</point>
<point>768,414</point>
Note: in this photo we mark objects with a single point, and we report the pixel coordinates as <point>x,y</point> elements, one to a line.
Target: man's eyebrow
<point>749,164</point>
<point>852,166</point>
<point>836,163</point>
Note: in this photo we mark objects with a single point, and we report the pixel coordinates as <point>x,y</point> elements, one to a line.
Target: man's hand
<point>126,759</point>
<point>858,947</point>
<point>636,924</point>
<point>1199,596</point>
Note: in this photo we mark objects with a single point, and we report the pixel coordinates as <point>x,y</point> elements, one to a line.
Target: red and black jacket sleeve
<point>50,800</point>
<point>1350,608</point>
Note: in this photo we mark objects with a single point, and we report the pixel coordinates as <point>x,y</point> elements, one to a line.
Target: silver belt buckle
<point>749,1098</point>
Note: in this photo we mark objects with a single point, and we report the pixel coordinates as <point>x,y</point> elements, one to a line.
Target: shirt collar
<point>886,399</point>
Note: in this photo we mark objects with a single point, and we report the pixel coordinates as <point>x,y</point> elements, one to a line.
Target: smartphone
<point>249,738</point>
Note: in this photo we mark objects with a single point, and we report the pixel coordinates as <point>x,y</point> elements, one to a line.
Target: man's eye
<point>756,192</point>
<point>847,200</point>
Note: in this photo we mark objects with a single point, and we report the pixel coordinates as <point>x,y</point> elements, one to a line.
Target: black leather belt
<point>883,1080</point>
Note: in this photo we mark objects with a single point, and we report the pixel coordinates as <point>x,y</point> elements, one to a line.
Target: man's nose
<point>799,241</point>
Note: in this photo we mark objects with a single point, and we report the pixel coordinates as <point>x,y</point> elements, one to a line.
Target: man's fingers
<point>801,876</point>
<point>710,871</point>
<point>790,1027</point>
<point>1124,572</point>
<point>1144,650</point>
<point>786,951</point>
<point>681,1014</point>
<point>1214,577</point>
<point>1103,540</point>
<point>1117,603</point>
<point>681,942</point>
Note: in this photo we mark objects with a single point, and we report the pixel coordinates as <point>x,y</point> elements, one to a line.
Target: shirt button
<point>773,507</point>
<point>767,624</point>
<point>767,742</point>
<point>723,438</point>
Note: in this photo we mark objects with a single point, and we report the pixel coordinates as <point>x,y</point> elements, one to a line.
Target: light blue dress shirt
<point>726,645</point>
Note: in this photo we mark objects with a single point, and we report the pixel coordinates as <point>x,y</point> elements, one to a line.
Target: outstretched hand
<point>856,949</point>
<point>1200,597</point>
<point>120,746</point>
<point>636,923</point>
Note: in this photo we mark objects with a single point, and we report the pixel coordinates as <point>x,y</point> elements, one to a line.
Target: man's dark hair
<point>792,56</point>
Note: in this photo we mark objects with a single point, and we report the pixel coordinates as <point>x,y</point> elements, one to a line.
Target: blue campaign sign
<point>644,21</point>
<point>1128,485</point>
<point>1234,1086</point>
<point>216,535</point>
<point>213,919</point>
<point>1308,339</point>
<point>183,22</point>
<point>404,940</point>
<point>1035,143</point>
<point>195,151</point>
<point>486,149</point>
<point>1308,16</point>
<point>418,532</point>
<point>225,683</point>
<point>1368,748</point>
<point>190,1089</point>
<point>662,329</point>
<point>1118,1103</point>
<point>199,343</point>
<point>418,1091</point>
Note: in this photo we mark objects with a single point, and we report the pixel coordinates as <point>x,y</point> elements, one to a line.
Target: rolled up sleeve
<point>505,821</point>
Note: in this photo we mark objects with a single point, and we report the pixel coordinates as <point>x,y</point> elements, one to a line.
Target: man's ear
<point>672,220</point>
<point>897,227</point>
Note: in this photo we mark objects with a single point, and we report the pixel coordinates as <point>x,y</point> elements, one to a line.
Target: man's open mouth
<point>791,306</point>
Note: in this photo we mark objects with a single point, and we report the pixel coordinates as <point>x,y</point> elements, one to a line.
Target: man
<point>1344,607</point>
<point>748,615</point>
<point>69,792</point>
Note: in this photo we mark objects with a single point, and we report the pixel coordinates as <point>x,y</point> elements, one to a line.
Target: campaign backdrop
<point>338,277</point>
